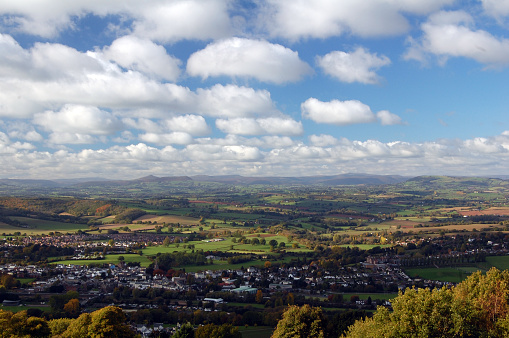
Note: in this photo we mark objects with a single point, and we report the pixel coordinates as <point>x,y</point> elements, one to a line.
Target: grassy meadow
<point>40,227</point>
<point>458,274</point>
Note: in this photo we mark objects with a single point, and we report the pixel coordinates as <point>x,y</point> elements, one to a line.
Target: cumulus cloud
<point>144,124</point>
<point>234,101</point>
<point>170,138</point>
<point>325,18</point>
<point>191,124</point>
<point>71,138</point>
<point>167,21</point>
<point>239,57</point>
<point>450,34</point>
<point>270,125</point>
<point>496,8</point>
<point>208,152</point>
<point>79,120</point>
<point>51,75</point>
<point>323,140</point>
<point>160,20</point>
<point>357,66</point>
<point>285,158</point>
<point>337,112</point>
<point>144,56</point>
<point>21,130</point>
<point>387,118</point>
<point>343,113</point>
<point>265,142</point>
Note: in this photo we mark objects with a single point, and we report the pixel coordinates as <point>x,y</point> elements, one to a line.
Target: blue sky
<point>124,89</point>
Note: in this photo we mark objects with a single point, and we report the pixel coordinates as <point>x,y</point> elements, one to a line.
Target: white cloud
<point>449,34</point>
<point>285,158</point>
<point>169,21</point>
<point>238,57</point>
<point>191,124</point>
<point>496,8</point>
<point>165,139</point>
<point>265,142</point>
<point>161,20</point>
<point>357,66</point>
<point>144,56</point>
<point>281,126</point>
<point>21,130</point>
<point>325,18</point>
<point>13,58</point>
<point>387,118</point>
<point>343,113</point>
<point>234,101</point>
<point>337,112</point>
<point>144,124</point>
<point>79,120</point>
<point>323,140</point>
<point>205,153</point>
<point>70,138</point>
<point>270,125</point>
<point>51,75</point>
<point>240,126</point>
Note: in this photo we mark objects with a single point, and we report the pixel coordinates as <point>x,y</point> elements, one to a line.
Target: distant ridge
<point>146,179</point>
<point>343,179</point>
<point>162,186</point>
<point>29,182</point>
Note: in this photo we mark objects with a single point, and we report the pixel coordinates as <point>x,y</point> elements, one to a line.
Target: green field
<point>446,274</point>
<point>256,331</point>
<point>109,259</point>
<point>365,246</point>
<point>39,226</point>
<point>24,307</point>
<point>500,262</point>
<point>458,274</point>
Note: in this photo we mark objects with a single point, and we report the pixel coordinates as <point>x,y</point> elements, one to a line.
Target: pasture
<point>168,219</point>
<point>443,274</point>
<point>39,226</point>
<point>256,331</point>
<point>108,259</point>
<point>25,307</point>
<point>500,262</point>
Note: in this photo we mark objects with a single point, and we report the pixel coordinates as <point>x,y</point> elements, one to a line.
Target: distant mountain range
<point>344,179</point>
<point>150,186</point>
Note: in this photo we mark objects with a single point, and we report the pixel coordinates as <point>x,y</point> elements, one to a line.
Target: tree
<point>8,281</point>
<point>58,326</point>
<point>290,299</point>
<point>185,331</point>
<point>78,327</point>
<point>167,241</point>
<point>217,331</point>
<point>300,322</point>
<point>477,307</point>
<point>109,322</point>
<point>259,296</point>
<point>72,307</point>
<point>105,322</point>
<point>21,325</point>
